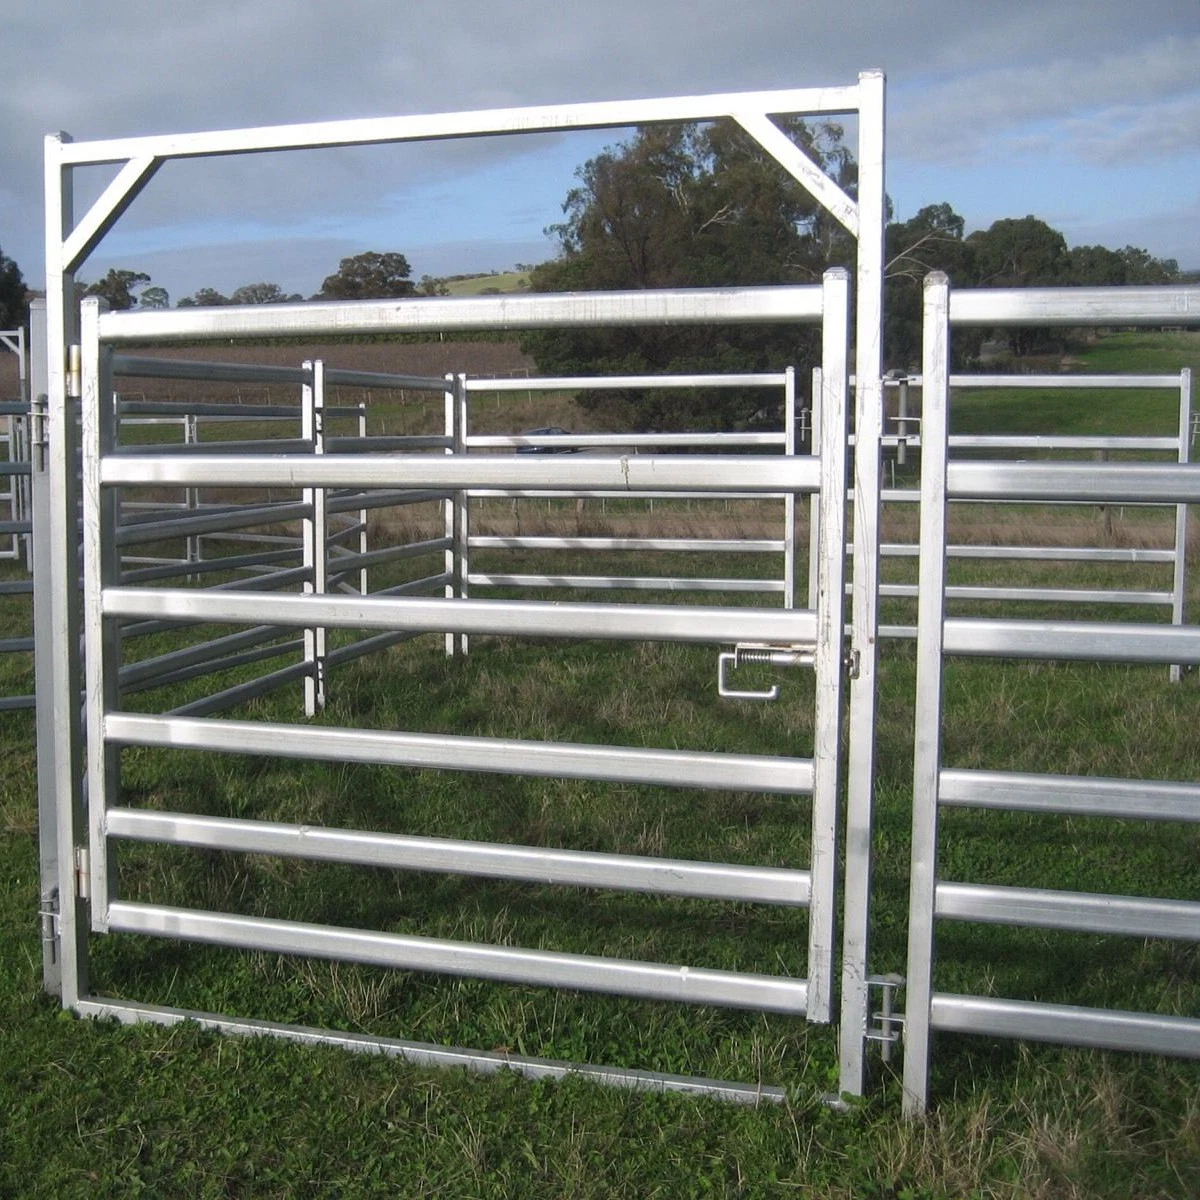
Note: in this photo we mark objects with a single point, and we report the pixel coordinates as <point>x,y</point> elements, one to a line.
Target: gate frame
<point>106,602</point>
<point>70,241</point>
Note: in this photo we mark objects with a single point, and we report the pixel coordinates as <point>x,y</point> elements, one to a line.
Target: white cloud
<point>1107,81</point>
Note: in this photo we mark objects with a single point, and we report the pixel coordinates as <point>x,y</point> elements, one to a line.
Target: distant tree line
<point>703,205</point>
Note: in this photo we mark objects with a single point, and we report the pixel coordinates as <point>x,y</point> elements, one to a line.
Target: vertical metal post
<point>789,501</point>
<point>56,634</point>
<point>315,531</point>
<point>52,886</point>
<point>191,437</point>
<point>814,501</point>
<point>828,661</point>
<point>363,582</point>
<point>462,513</point>
<point>101,569</point>
<point>868,433</point>
<point>931,593</point>
<point>449,507</point>
<point>24,483</point>
<point>902,422</point>
<point>1179,589</point>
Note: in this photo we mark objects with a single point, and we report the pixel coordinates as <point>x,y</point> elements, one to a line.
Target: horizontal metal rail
<point>628,583</point>
<point>148,367</point>
<point>1111,554</point>
<point>364,646</point>
<point>344,377</point>
<point>1079,382</point>
<point>515,618</point>
<point>697,306</point>
<point>183,526</point>
<point>180,410</point>
<point>241,693</point>
<point>714,545</point>
<point>359,501</point>
<point>349,560</point>
<point>585,441</point>
<point>133,673</point>
<point>1089,641</point>
<point>425,1054</point>
<point>530,864</point>
<point>714,473</point>
<point>593,383</point>
<point>1009,441</point>
<point>1047,595</point>
<point>1070,795</point>
<point>1075,482</point>
<point>1030,1020</point>
<point>1040,908</point>
<point>241,449</point>
<point>561,760</point>
<point>539,493</point>
<point>366,131</point>
<point>648,981</point>
<point>381,444</point>
<point>215,665</point>
<point>1157,305</point>
<point>204,566</point>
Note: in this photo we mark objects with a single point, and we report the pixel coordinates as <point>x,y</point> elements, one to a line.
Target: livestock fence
<point>81,831</point>
<point>1095,390</point>
<point>937,786</point>
<point>785,440</point>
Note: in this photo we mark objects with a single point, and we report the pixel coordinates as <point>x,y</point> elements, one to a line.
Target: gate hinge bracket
<point>39,429</point>
<point>790,655</point>
<point>74,372</point>
<point>887,1024</point>
<point>853,663</point>
<point>48,917</point>
<point>83,873</point>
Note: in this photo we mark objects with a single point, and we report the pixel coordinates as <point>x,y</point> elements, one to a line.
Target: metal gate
<point>784,636</point>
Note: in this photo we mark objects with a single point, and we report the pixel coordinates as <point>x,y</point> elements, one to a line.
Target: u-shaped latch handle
<point>775,656</point>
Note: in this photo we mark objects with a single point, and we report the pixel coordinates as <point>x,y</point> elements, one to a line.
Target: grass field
<point>88,1109</point>
<point>483,285</point>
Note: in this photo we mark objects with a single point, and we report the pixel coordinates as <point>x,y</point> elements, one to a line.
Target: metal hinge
<point>889,1024</point>
<point>39,435</point>
<point>48,917</point>
<point>853,663</point>
<point>756,652</point>
<point>74,372</point>
<point>83,873</point>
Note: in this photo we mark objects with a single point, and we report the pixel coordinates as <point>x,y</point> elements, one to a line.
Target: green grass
<point>496,281</point>
<point>91,1109</point>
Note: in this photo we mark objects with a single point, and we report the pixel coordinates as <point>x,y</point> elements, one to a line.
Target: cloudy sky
<point>1083,112</point>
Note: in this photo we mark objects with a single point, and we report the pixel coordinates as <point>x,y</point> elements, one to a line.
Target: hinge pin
<point>83,873</point>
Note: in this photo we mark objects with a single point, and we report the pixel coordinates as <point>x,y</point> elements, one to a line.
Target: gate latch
<point>756,652</point>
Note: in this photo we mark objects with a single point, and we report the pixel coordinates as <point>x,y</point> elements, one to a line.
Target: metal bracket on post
<point>48,918</point>
<point>83,873</point>
<point>39,437</point>
<point>889,1025</point>
<point>74,372</point>
<point>752,652</point>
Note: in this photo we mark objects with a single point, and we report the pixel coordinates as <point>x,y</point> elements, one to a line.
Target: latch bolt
<point>754,652</point>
